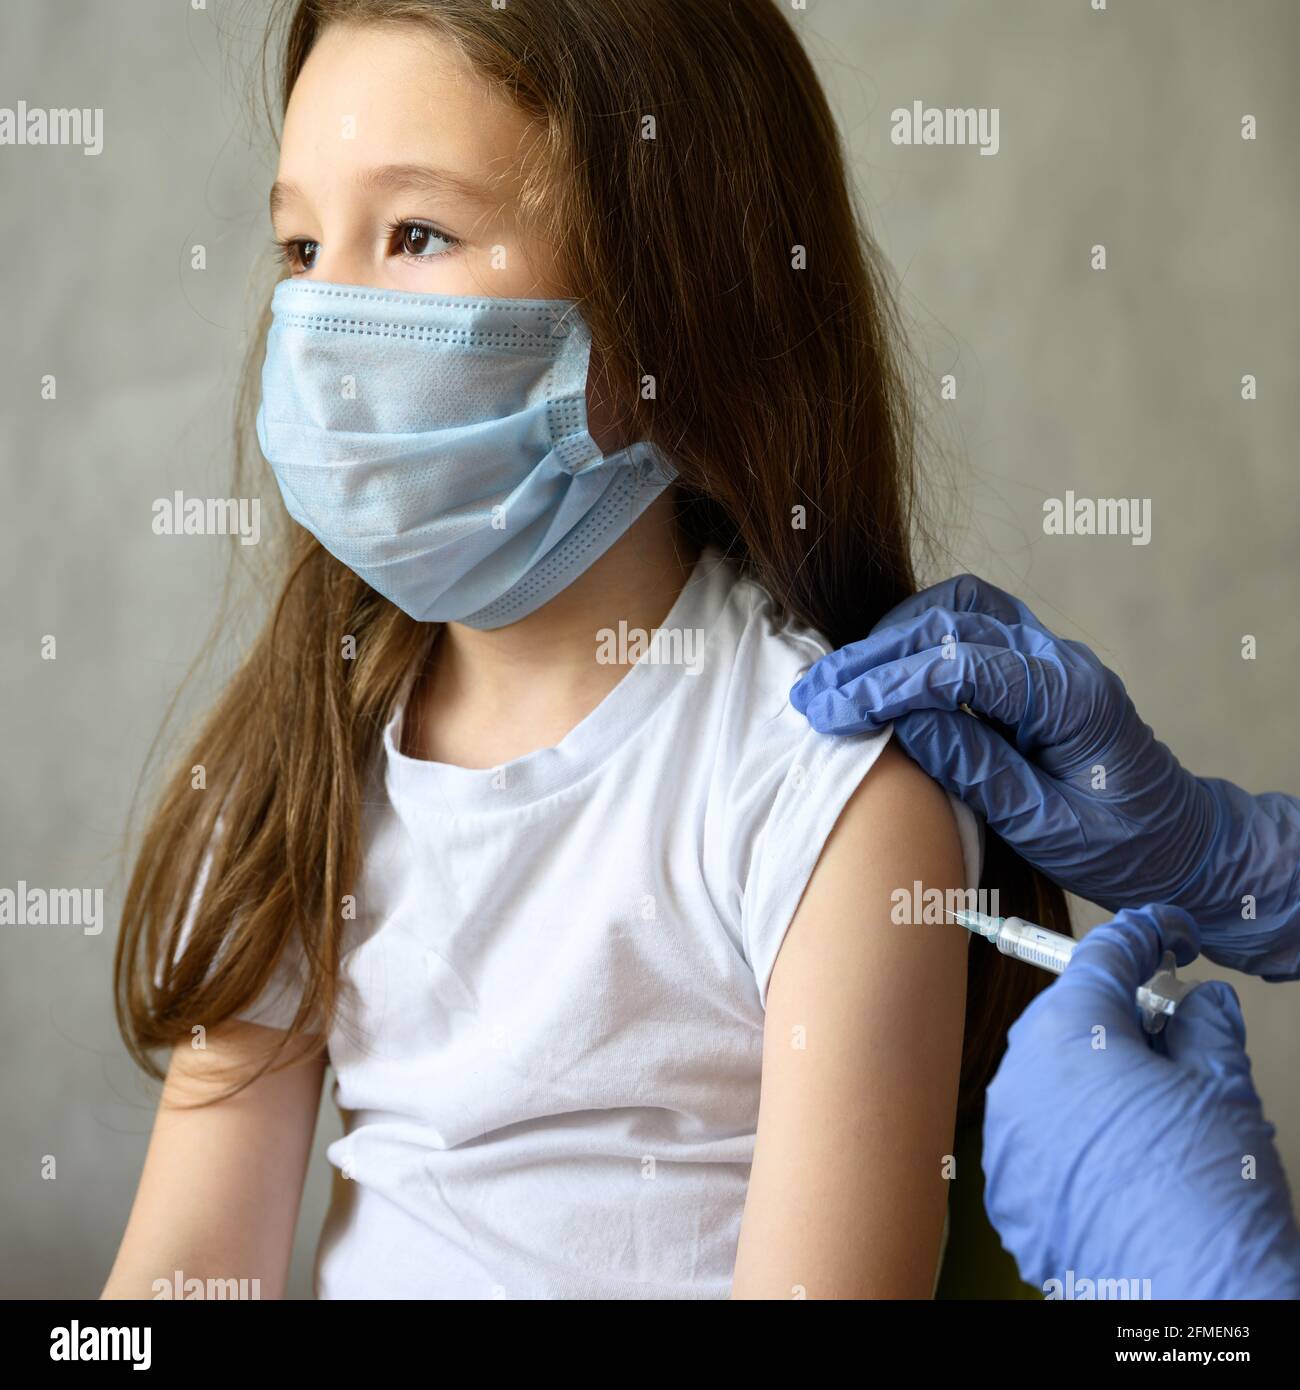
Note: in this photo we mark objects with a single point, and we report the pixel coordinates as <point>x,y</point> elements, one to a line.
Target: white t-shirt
<point>549,1050</point>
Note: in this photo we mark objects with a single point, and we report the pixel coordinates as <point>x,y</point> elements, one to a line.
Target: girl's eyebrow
<point>408,178</point>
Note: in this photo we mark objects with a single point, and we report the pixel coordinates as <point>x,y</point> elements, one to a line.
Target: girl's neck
<point>488,697</point>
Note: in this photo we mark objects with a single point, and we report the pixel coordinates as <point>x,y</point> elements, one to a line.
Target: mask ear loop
<point>1162,994</point>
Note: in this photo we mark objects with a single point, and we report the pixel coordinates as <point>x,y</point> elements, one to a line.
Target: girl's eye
<point>299,254</point>
<point>415,240</point>
<point>419,241</point>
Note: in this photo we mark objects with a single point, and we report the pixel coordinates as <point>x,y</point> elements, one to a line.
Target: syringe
<point>1049,950</point>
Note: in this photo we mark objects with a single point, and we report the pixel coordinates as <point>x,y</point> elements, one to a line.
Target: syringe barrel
<point>1029,942</point>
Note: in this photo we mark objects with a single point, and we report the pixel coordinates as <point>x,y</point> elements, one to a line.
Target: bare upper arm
<point>861,1059</point>
<point>219,1194</point>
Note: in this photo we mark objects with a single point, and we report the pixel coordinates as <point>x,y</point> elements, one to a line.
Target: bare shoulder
<point>896,830</point>
<point>897,820</point>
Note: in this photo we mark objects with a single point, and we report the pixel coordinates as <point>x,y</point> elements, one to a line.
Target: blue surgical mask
<point>438,445</point>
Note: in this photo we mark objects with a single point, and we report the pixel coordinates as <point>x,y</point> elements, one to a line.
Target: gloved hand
<point>1128,1160</point>
<point>1085,793</point>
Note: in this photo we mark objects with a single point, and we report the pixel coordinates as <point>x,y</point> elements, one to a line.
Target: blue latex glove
<point>1152,833</point>
<point>1127,1162</point>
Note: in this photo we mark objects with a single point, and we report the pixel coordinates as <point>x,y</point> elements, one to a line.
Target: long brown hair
<point>725,257</point>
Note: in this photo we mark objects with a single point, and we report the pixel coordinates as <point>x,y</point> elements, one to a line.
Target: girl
<point>580,357</point>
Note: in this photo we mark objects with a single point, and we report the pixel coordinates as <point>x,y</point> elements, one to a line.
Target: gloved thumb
<point>1113,959</point>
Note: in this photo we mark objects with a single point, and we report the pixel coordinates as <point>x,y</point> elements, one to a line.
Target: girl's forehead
<point>398,95</point>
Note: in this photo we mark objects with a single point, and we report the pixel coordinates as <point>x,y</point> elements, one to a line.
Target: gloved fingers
<point>998,682</point>
<point>1115,958</point>
<point>1174,930</point>
<point>941,628</point>
<point>1178,929</point>
<point>914,646</point>
<point>1207,1034</point>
